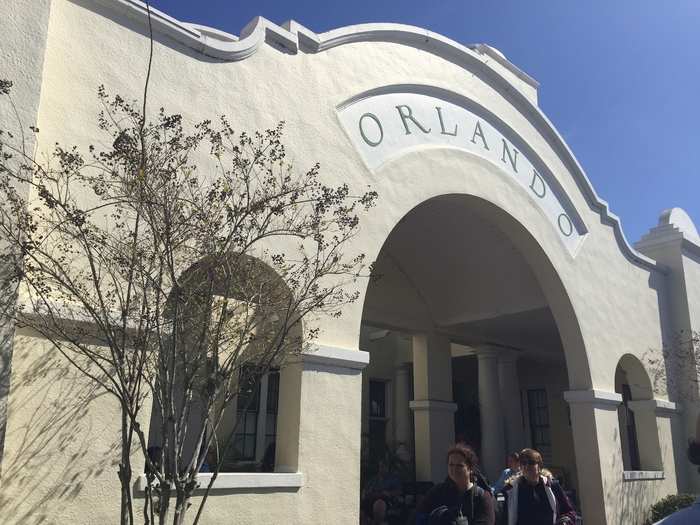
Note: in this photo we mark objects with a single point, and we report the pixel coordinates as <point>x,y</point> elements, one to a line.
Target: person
<point>458,499</point>
<point>512,469</point>
<point>378,493</point>
<point>536,499</point>
<point>689,515</point>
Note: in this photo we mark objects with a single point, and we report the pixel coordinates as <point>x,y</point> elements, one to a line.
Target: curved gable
<point>510,82</point>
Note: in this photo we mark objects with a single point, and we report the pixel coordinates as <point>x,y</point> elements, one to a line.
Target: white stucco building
<point>511,310</point>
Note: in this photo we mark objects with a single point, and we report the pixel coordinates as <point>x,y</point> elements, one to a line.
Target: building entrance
<point>464,346</point>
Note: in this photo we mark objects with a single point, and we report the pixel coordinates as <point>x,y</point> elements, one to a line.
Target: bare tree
<point>675,370</point>
<point>174,267</point>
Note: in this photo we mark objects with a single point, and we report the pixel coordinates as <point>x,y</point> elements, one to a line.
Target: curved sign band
<point>384,126</point>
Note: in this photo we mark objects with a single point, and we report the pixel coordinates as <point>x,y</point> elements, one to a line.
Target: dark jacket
<point>445,500</point>
<point>556,506</point>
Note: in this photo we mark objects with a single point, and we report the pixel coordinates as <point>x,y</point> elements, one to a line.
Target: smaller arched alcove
<point>639,436</point>
<point>234,326</point>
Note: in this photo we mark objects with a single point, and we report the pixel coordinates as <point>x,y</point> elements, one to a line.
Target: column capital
<point>596,398</point>
<point>403,368</point>
<point>508,355</point>
<point>493,351</point>
<point>487,352</point>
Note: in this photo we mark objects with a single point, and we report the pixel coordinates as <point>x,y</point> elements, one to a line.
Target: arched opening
<point>471,338</point>
<point>238,329</point>
<point>639,436</point>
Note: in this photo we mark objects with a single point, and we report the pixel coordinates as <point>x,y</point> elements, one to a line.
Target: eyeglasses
<point>529,462</point>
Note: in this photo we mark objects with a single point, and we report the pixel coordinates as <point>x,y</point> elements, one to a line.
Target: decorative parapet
<point>292,37</point>
<point>675,229</point>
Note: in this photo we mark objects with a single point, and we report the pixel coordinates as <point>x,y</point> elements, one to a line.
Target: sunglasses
<point>529,462</point>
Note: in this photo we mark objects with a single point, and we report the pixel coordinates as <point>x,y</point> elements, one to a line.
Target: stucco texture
<point>605,304</point>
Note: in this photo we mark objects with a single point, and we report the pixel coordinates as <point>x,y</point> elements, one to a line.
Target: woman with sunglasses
<point>535,499</point>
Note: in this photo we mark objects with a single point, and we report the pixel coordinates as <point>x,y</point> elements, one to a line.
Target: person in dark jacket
<point>458,496</point>
<point>536,499</point>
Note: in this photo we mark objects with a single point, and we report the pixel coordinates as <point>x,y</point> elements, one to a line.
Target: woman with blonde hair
<point>534,498</point>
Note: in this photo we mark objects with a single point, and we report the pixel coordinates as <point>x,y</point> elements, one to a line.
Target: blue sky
<point>620,79</point>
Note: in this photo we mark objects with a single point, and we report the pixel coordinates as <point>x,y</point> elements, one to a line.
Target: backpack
<point>500,507</point>
<point>443,515</point>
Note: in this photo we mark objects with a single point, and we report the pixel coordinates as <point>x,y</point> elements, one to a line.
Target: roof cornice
<point>292,37</point>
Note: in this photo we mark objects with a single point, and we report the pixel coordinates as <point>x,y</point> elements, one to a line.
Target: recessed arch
<point>639,435</point>
<point>246,294</point>
<point>538,263</point>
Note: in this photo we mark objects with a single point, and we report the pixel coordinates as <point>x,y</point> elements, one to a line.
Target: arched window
<point>238,326</point>
<point>639,436</point>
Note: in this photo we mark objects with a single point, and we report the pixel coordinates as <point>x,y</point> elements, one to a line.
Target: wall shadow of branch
<point>49,456</point>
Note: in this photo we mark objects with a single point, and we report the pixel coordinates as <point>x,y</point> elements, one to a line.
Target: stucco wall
<point>62,443</point>
<point>605,304</point>
<point>21,62</point>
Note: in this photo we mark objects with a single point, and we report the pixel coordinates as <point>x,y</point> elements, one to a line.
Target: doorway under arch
<point>472,337</point>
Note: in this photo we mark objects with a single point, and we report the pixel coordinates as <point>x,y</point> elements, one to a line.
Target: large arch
<point>425,244</point>
<point>536,242</point>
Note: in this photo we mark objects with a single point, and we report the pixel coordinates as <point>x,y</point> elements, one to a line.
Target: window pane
<point>249,447</point>
<point>271,424</point>
<point>273,392</point>
<point>251,423</point>
<point>248,390</point>
<point>539,422</point>
<point>238,447</point>
<point>377,399</point>
<point>377,437</point>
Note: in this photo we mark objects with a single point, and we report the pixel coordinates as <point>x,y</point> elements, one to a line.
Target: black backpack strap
<point>477,493</point>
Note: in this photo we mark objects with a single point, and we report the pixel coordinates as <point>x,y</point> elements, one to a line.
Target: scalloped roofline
<point>293,37</point>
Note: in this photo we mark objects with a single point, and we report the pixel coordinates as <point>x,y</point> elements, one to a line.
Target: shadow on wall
<point>633,500</point>
<point>49,457</point>
<point>630,501</point>
<point>628,507</point>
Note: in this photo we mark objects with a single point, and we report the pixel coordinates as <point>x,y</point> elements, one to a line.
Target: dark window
<point>247,404</point>
<point>631,428</point>
<point>273,389</point>
<point>377,418</point>
<point>377,399</point>
<point>539,423</point>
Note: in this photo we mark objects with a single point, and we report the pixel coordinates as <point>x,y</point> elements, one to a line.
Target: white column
<point>402,411</point>
<point>433,408</point>
<point>598,453</point>
<point>510,400</point>
<point>493,449</point>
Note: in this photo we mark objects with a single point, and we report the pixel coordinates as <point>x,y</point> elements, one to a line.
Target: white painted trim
<point>336,357</point>
<point>659,406</point>
<point>432,406</point>
<point>593,397</point>
<point>243,480</point>
<point>292,36</point>
<point>643,475</point>
<point>667,407</point>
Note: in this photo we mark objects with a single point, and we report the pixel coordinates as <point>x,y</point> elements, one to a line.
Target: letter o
<point>568,223</point>
<point>379,125</point>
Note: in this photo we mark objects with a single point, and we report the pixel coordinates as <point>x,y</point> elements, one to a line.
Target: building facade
<point>510,310</point>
